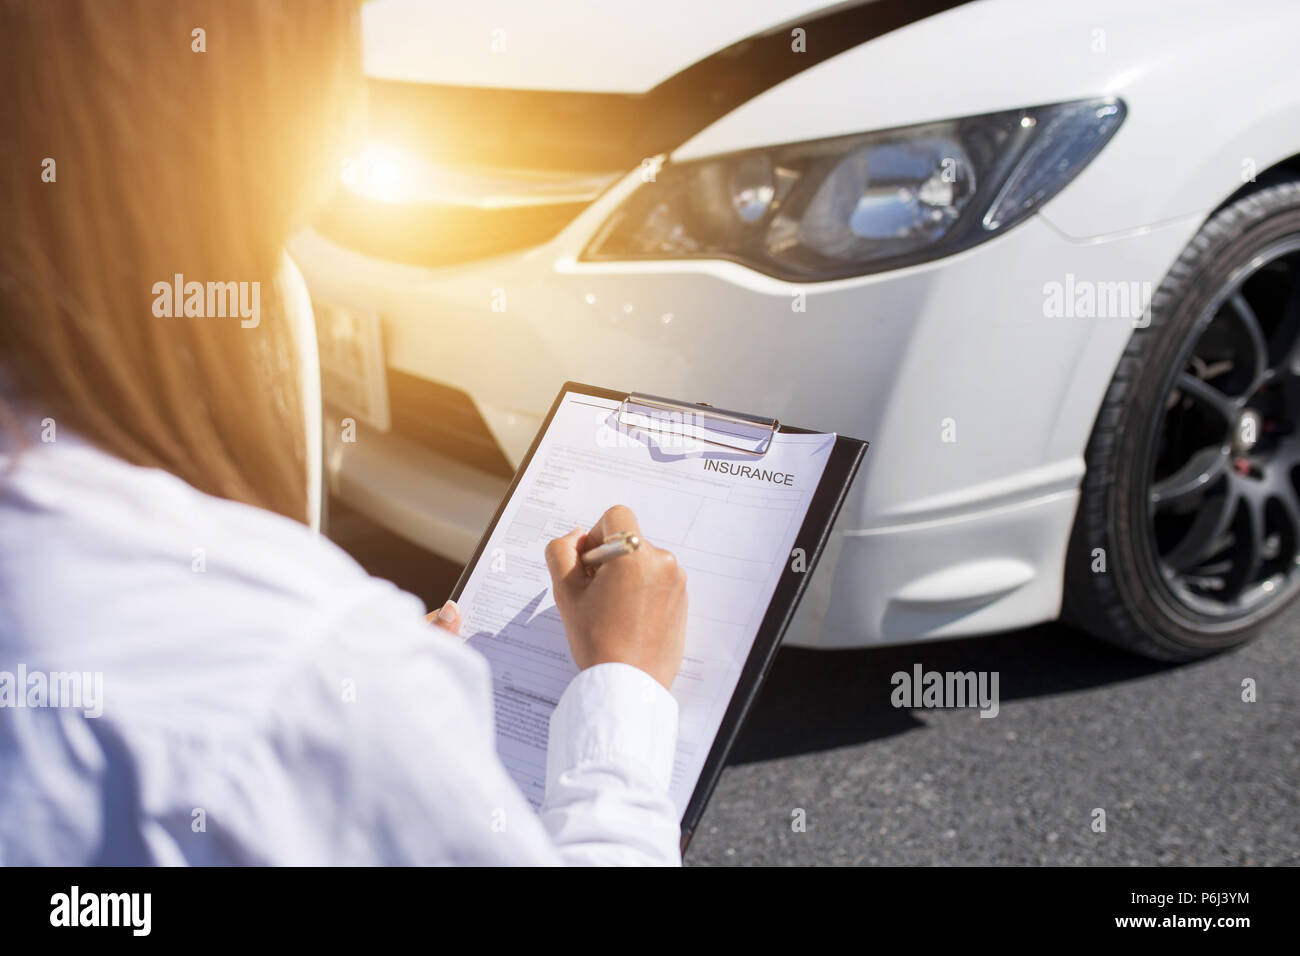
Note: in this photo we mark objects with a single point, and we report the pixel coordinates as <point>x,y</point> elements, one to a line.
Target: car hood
<point>561,44</point>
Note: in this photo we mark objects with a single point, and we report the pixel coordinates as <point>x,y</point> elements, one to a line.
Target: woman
<point>261,699</point>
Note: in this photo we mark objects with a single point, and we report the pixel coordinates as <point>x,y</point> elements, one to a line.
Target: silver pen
<point>623,542</point>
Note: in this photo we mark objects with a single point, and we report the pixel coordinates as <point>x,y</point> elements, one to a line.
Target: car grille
<point>540,129</point>
<point>445,420</point>
<point>536,142</point>
<point>433,235</point>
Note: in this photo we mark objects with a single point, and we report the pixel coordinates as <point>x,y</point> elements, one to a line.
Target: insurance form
<point>730,518</point>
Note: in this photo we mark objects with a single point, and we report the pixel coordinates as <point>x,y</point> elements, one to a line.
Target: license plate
<point>352,369</point>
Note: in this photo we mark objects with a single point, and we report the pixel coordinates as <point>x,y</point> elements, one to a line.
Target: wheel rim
<point>1222,503</point>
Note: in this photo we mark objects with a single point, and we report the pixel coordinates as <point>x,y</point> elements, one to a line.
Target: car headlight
<point>865,203</point>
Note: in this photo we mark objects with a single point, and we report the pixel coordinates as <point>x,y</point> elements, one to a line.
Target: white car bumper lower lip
<point>977,402</point>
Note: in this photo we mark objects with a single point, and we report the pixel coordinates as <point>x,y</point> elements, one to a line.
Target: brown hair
<point>167,160</point>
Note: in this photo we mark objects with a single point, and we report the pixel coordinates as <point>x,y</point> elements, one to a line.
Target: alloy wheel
<point>1223,501</point>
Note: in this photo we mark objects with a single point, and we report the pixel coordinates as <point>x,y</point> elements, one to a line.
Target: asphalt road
<point>1187,773</point>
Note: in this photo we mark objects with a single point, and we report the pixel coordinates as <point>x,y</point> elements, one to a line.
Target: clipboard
<point>745,434</point>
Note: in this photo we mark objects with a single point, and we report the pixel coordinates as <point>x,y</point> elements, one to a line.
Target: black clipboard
<point>837,477</point>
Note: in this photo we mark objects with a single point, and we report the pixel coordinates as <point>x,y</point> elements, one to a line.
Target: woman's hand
<point>447,617</point>
<point>632,610</point>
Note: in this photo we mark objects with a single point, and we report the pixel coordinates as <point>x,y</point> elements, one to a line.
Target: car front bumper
<point>977,402</point>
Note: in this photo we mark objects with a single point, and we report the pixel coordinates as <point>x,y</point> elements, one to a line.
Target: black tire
<point>1136,602</point>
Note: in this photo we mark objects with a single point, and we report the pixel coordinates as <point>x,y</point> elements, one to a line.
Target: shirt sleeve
<point>608,766</point>
<point>371,743</point>
<point>429,754</point>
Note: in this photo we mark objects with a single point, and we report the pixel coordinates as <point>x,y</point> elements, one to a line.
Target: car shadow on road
<point>817,700</point>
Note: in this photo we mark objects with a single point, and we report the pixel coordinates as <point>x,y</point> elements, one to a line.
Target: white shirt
<point>265,701</point>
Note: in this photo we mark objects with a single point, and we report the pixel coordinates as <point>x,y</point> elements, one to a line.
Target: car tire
<point>1131,572</point>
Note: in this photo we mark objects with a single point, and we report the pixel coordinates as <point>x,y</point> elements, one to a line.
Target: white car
<point>1045,257</point>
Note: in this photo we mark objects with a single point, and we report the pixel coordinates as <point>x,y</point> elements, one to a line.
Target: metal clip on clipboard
<point>735,431</point>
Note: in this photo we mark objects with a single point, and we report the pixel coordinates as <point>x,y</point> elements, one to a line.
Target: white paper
<point>731,529</point>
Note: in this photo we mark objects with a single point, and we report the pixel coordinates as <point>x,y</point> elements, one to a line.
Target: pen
<point>613,546</point>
